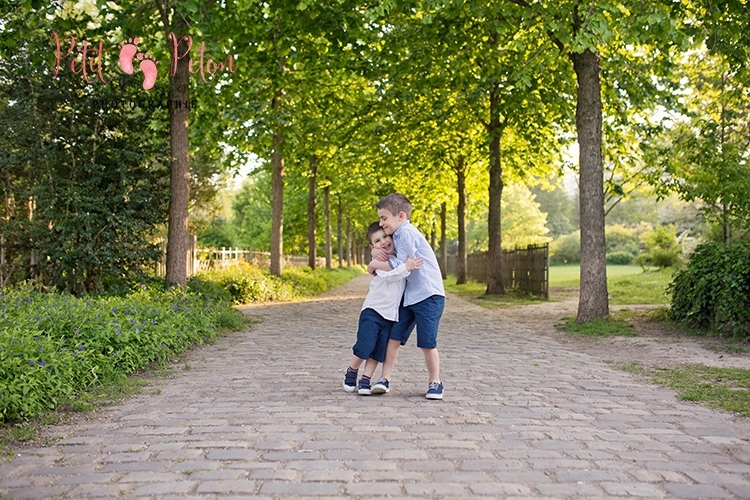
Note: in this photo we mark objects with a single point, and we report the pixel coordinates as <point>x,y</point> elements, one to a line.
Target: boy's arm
<point>403,270</point>
<point>374,265</point>
<point>406,247</point>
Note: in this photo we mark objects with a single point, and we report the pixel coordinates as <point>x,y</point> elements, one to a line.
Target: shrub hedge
<point>713,291</point>
<point>53,346</point>
<point>247,284</point>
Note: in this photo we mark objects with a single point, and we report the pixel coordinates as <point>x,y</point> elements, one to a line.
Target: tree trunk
<point>277,211</point>
<point>339,236</point>
<point>179,190</point>
<point>461,188</point>
<point>443,241</point>
<point>593,301</point>
<point>312,202</point>
<point>348,242</point>
<point>327,209</point>
<point>495,252</point>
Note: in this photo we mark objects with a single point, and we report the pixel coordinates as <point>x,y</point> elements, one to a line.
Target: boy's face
<point>380,240</point>
<point>390,222</point>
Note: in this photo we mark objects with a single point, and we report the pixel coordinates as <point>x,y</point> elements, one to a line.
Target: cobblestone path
<point>261,414</point>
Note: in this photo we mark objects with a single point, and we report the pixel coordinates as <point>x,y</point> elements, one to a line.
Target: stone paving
<point>261,414</point>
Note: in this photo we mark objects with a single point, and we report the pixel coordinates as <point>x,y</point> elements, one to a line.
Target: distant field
<point>569,275</point>
<point>626,284</point>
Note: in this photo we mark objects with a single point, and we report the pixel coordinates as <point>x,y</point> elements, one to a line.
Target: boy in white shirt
<point>379,312</point>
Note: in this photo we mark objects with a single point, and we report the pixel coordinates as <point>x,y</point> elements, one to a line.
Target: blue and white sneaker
<point>364,387</point>
<point>350,381</point>
<point>380,387</point>
<point>435,391</point>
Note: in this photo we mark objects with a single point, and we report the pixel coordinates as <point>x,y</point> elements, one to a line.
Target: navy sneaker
<point>350,381</point>
<point>435,391</point>
<point>381,386</point>
<point>364,387</point>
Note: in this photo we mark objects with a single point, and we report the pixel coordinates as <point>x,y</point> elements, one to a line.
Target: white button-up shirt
<point>385,292</point>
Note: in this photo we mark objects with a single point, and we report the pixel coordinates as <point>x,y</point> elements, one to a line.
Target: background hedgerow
<point>52,345</point>
<point>247,283</point>
<point>56,346</point>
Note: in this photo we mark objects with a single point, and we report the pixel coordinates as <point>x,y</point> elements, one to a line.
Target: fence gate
<point>525,269</point>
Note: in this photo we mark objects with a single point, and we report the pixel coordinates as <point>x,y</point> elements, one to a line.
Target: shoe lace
<point>434,386</point>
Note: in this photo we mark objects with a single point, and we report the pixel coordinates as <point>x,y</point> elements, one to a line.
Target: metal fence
<point>526,269</point>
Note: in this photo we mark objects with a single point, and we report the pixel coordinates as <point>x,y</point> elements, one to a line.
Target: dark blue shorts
<point>372,335</point>
<point>425,316</point>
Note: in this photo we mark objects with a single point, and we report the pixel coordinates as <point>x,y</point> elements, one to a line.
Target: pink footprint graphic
<point>127,52</point>
<point>148,66</point>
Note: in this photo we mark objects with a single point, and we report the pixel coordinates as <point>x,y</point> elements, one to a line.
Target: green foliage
<point>85,183</point>
<point>247,283</point>
<point>622,239</point>
<point>566,249</point>
<point>523,223</point>
<point>713,291</point>
<point>54,346</point>
<point>219,233</point>
<point>662,248</point>
<point>559,208</point>
<point>619,258</point>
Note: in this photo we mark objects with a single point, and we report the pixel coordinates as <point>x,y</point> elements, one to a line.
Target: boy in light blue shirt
<point>424,297</point>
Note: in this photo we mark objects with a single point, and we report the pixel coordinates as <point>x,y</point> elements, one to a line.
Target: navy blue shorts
<point>425,315</point>
<point>372,335</point>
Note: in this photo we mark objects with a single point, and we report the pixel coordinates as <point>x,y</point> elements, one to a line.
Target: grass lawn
<point>626,284</point>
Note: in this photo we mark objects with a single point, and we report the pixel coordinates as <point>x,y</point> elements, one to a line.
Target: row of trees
<point>443,100</point>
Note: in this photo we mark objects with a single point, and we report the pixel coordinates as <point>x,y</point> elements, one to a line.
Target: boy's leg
<point>432,360</point>
<point>391,354</point>
<point>350,379</point>
<point>427,314</point>
<point>364,382</point>
<point>399,334</point>
<point>355,363</point>
<point>370,366</point>
<point>369,326</point>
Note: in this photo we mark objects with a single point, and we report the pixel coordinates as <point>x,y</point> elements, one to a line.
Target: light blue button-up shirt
<point>422,283</point>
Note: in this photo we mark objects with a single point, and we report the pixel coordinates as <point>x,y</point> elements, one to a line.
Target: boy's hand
<point>412,264</point>
<point>379,254</point>
<point>371,269</point>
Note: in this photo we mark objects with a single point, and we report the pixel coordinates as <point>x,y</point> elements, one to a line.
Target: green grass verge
<point>611,327</point>
<point>626,284</point>
<point>726,388</point>
<point>474,291</point>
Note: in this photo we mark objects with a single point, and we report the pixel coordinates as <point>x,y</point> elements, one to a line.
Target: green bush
<point>53,345</point>
<point>247,284</point>
<point>619,258</point>
<point>713,291</point>
<point>622,239</point>
<point>566,249</point>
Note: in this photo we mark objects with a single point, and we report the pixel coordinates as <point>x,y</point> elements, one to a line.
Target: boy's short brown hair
<point>395,203</point>
<point>372,229</point>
